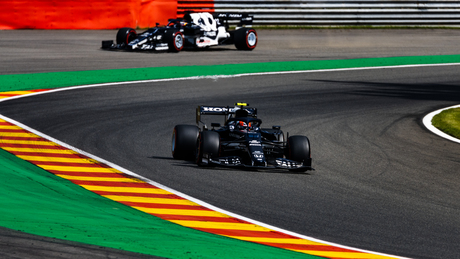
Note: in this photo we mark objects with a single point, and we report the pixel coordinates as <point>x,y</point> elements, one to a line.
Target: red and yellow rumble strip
<point>118,186</point>
<point>4,95</point>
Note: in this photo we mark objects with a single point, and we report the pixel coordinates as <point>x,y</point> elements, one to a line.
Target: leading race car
<point>240,142</point>
<point>195,30</point>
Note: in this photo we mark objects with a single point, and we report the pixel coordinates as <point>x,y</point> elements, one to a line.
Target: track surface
<point>29,51</point>
<point>382,182</point>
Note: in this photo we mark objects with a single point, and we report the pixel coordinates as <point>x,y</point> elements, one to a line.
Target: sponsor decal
<point>258,155</point>
<point>147,47</point>
<point>255,143</point>
<point>210,33</point>
<point>287,163</point>
<point>224,110</point>
<point>214,109</point>
<point>230,161</point>
<point>231,15</point>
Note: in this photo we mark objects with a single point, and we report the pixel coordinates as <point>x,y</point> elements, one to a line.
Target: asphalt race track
<point>32,51</point>
<point>382,181</point>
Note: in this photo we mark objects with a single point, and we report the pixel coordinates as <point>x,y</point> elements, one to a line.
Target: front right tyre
<point>175,40</point>
<point>298,149</point>
<point>245,39</point>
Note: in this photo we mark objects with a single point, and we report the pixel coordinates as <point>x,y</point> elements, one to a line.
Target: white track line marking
<point>427,122</point>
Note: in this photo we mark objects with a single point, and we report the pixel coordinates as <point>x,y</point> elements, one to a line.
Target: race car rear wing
<point>245,19</point>
<point>228,112</point>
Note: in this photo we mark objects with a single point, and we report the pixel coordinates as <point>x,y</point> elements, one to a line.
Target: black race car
<point>240,142</point>
<point>195,30</point>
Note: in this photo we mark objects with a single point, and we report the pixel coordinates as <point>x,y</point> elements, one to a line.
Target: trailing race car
<point>240,142</point>
<point>195,30</point>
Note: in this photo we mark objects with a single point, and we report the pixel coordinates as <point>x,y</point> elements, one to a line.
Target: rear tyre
<point>208,146</point>
<point>245,39</point>
<point>184,141</point>
<point>126,35</point>
<point>298,149</point>
<point>175,40</point>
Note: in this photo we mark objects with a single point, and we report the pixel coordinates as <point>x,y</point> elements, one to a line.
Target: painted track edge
<point>427,121</point>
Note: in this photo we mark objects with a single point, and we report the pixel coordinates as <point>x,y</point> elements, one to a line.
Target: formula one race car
<point>195,30</point>
<point>240,142</point>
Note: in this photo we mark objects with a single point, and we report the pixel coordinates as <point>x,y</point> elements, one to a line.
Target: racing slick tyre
<point>208,146</point>
<point>245,39</point>
<point>175,40</point>
<point>184,140</point>
<point>298,149</point>
<point>126,35</point>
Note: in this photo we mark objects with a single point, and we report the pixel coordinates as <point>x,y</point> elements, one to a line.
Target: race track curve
<point>382,181</point>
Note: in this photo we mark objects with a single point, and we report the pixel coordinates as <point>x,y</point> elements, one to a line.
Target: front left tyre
<point>126,35</point>
<point>184,141</point>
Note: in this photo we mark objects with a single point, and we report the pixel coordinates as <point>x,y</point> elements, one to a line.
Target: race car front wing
<point>235,161</point>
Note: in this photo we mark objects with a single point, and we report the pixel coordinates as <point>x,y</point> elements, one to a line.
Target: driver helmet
<point>243,126</point>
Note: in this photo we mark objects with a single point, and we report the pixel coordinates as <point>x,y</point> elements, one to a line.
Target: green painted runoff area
<point>61,79</point>
<point>37,202</point>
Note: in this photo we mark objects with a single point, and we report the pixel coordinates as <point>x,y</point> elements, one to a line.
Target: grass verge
<point>448,121</point>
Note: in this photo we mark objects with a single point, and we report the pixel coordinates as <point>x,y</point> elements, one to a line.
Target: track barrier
<point>114,14</point>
